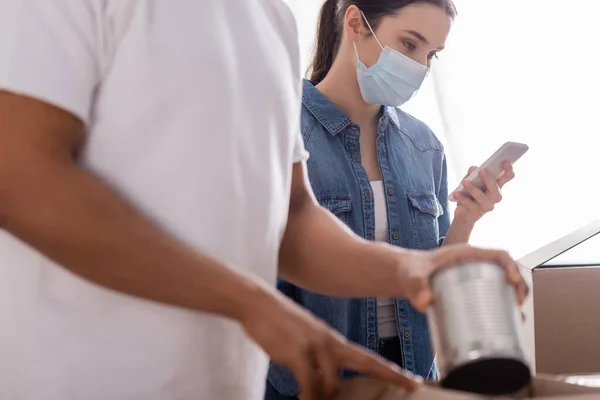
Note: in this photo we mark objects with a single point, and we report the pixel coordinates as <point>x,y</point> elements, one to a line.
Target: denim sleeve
<point>442,195</point>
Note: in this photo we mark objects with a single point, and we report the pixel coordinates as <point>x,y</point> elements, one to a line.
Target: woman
<point>379,170</point>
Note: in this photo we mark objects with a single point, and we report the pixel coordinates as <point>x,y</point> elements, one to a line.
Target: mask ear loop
<point>356,51</point>
<point>371,29</point>
<point>373,32</point>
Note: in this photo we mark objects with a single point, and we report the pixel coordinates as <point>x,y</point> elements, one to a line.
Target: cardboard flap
<point>560,246</point>
<point>589,380</point>
<point>543,388</point>
<point>550,387</point>
<point>368,389</point>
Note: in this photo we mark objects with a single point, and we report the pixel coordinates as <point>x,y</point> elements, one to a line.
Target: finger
<point>422,299</point>
<point>507,176</point>
<point>470,171</point>
<point>492,190</point>
<point>467,208</point>
<point>462,193</point>
<point>306,375</point>
<point>467,202</point>
<point>513,275</point>
<point>360,360</point>
<point>483,202</point>
<point>522,291</point>
<point>503,259</point>
<point>329,372</point>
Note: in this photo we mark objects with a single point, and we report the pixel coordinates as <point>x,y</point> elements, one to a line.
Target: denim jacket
<point>413,170</point>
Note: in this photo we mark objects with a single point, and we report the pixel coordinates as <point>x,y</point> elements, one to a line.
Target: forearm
<point>74,219</point>
<point>321,254</point>
<point>459,233</point>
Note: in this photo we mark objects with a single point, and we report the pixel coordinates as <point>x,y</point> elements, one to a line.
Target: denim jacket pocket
<point>425,209</point>
<point>338,205</point>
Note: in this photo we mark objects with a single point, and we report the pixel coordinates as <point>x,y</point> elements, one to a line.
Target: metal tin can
<point>477,331</point>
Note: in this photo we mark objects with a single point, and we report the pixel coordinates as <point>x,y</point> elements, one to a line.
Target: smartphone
<point>508,152</point>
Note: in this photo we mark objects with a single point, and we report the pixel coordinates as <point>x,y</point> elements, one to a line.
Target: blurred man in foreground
<point>152,183</point>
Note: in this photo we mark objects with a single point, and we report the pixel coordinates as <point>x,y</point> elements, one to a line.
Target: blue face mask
<point>393,80</point>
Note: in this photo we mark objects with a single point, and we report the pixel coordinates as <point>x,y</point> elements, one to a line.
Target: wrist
<point>388,279</point>
<point>405,270</point>
<point>463,223</point>
<point>459,232</point>
<point>253,297</point>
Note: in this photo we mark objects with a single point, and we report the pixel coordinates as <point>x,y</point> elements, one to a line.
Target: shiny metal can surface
<point>477,331</point>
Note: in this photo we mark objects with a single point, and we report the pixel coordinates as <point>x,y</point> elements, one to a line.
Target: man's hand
<point>419,267</point>
<point>311,350</point>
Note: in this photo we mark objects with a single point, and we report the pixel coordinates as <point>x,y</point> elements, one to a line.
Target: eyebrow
<point>418,36</point>
<point>421,38</point>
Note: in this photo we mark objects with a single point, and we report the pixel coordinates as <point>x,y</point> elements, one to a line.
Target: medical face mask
<point>393,80</point>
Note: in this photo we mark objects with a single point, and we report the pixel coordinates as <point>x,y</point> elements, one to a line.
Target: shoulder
<point>52,52</point>
<point>417,132</point>
<point>285,15</point>
<point>284,21</point>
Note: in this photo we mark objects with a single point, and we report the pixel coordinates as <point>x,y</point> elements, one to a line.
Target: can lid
<point>468,264</point>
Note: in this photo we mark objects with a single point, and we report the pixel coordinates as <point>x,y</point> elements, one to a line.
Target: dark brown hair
<point>329,31</point>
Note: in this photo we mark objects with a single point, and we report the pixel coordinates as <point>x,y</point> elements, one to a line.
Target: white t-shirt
<point>192,111</point>
<point>386,308</point>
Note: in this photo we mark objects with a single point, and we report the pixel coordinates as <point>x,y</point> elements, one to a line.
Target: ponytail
<point>327,42</point>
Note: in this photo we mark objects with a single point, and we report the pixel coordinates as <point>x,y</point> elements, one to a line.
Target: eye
<point>433,55</point>
<point>410,46</point>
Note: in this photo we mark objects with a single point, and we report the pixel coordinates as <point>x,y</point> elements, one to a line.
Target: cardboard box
<point>564,310</point>
<point>542,388</point>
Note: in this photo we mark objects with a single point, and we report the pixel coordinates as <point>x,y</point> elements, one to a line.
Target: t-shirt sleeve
<point>291,38</point>
<point>300,153</point>
<point>49,50</point>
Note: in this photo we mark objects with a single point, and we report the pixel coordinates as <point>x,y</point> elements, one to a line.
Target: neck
<point>340,86</point>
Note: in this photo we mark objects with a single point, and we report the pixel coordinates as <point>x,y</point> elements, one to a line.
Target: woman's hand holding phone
<point>473,202</point>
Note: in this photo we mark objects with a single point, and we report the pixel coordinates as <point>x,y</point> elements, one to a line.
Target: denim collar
<point>330,116</point>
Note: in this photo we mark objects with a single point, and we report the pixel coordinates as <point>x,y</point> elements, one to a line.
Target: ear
<point>353,24</point>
